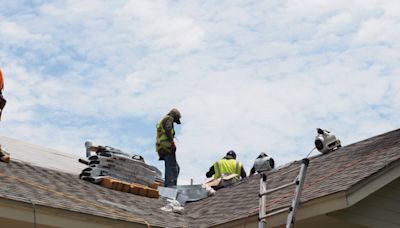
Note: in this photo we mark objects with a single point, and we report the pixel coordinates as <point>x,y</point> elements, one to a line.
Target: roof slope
<point>26,183</point>
<point>327,174</point>
<point>41,156</point>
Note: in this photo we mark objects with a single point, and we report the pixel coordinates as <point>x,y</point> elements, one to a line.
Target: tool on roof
<point>326,142</point>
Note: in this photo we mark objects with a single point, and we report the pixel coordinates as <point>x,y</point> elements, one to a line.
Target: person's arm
<point>210,172</point>
<point>243,173</point>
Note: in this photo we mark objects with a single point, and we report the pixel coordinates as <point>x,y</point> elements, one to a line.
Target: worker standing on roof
<point>3,156</point>
<point>226,166</point>
<point>2,100</point>
<point>166,147</point>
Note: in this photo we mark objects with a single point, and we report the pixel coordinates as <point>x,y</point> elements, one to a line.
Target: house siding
<point>380,209</point>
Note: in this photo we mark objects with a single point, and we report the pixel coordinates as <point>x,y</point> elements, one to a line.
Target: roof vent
<point>326,142</point>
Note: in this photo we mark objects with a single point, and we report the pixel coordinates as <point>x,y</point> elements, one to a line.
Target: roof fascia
<point>24,211</point>
<point>372,184</point>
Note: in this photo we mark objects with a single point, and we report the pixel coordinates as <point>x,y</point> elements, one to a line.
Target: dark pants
<point>171,170</point>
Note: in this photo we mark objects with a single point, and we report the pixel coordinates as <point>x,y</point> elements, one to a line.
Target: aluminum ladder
<point>299,182</point>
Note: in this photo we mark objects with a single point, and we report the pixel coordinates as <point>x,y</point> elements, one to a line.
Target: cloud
<point>249,76</point>
<point>14,32</point>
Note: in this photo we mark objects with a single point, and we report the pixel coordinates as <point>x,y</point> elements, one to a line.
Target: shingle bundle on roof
<point>114,163</point>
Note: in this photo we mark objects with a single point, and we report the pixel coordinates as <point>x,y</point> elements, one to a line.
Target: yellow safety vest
<point>227,167</point>
<point>162,139</point>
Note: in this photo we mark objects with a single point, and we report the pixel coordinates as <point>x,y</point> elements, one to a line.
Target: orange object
<point>155,185</point>
<point>125,187</point>
<point>143,191</point>
<point>134,188</point>
<point>152,193</point>
<point>1,80</point>
<point>107,182</point>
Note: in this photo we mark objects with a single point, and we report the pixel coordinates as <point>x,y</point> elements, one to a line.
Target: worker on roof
<point>166,147</point>
<point>4,157</point>
<point>2,100</point>
<point>227,166</point>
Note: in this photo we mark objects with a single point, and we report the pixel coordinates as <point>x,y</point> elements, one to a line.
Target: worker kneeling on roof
<point>227,166</point>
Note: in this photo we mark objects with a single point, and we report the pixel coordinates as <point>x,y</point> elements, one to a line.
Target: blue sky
<point>252,76</point>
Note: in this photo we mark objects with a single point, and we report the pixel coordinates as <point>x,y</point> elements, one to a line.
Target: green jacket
<point>165,134</point>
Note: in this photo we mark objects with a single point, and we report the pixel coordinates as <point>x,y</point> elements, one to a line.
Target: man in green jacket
<point>166,148</point>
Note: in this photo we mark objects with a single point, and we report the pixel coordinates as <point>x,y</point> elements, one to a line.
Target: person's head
<point>230,155</point>
<point>176,115</point>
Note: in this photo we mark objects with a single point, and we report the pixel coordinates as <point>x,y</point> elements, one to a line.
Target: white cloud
<point>14,32</point>
<point>251,77</point>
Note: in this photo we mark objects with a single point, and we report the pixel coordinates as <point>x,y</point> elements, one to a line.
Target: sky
<point>248,76</point>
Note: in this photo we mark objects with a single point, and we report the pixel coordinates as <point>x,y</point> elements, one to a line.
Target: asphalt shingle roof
<point>327,174</point>
<point>24,182</point>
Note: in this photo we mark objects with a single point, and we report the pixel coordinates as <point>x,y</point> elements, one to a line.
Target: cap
<point>176,115</point>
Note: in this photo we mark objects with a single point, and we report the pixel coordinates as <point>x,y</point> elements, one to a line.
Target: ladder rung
<point>278,188</point>
<point>263,217</point>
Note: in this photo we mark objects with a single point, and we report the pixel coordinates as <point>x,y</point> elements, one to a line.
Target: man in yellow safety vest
<point>226,166</point>
<point>166,148</point>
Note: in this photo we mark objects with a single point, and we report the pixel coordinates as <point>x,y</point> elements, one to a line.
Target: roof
<point>41,156</point>
<point>28,183</point>
<point>327,174</point>
<point>341,170</point>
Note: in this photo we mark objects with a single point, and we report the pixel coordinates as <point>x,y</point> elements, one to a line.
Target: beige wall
<point>380,209</point>
<point>18,214</point>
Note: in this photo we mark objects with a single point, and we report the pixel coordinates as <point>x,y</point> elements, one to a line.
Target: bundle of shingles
<point>112,168</point>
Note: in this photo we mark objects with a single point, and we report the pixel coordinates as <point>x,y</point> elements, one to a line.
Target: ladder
<point>299,182</point>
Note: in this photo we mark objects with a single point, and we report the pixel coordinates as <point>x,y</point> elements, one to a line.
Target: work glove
<point>173,146</point>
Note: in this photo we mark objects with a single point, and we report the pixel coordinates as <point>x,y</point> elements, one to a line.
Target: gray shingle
<point>24,182</point>
<point>327,174</point>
